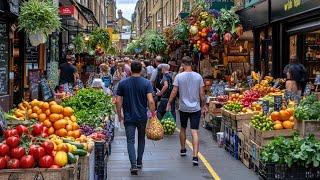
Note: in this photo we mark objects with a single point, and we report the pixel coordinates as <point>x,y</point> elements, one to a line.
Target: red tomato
<point>17,152</point>
<point>27,161</point>
<point>13,141</point>
<point>44,134</point>
<point>37,129</point>
<point>4,149</point>
<point>55,166</point>
<point>13,164</point>
<point>48,147</point>
<point>7,158</point>
<point>37,152</point>
<point>3,162</point>
<point>11,132</point>
<point>22,129</point>
<point>46,161</point>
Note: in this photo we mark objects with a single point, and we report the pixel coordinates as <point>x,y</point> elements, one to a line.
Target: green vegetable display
<point>295,151</point>
<point>91,106</point>
<point>262,123</point>
<point>234,106</point>
<point>308,109</point>
<point>154,42</point>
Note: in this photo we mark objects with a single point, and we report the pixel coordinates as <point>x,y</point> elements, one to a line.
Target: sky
<point>127,7</point>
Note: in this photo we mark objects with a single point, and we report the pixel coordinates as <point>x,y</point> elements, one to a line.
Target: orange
<point>33,116</point>
<point>61,132</point>
<point>50,130</point>
<point>285,115</point>
<point>62,147</point>
<point>275,116</point>
<point>56,109</point>
<point>66,118</point>
<point>70,134</point>
<point>52,103</point>
<point>47,123</point>
<point>34,102</point>
<point>54,117</point>
<point>69,127</point>
<point>60,124</point>
<point>290,111</point>
<point>75,126</point>
<point>288,124</point>
<point>278,126</point>
<point>67,111</point>
<point>42,117</point>
<point>39,111</point>
<point>45,106</point>
<point>291,119</point>
<point>73,118</point>
<point>40,104</point>
<point>47,112</point>
<point>35,109</point>
<point>61,116</point>
<point>29,111</point>
<point>76,134</point>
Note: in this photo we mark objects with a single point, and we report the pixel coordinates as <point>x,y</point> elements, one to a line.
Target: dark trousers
<point>161,111</point>
<point>130,128</point>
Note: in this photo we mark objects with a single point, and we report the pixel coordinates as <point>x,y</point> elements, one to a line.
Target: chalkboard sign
<point>265,107</point>
<point>4,57</point>
<point>31,52</point>
<point>277,103</point>
<point>46,91</point>
<point>34,78</point>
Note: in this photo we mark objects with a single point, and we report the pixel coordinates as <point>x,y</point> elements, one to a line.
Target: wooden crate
<point>66,173</point>
<point>236,121</point>
<point>246,130</point>
<point>262,138</point>
<point>86,167</point>
<point>306,127</point>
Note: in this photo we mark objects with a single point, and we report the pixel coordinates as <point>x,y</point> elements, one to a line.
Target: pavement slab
<point>163,162</point>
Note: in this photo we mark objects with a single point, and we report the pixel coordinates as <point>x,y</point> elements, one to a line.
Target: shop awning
<point>309,26</point>
<point>89,15</point>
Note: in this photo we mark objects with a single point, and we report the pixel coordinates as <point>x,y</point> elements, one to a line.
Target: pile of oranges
<point>58,119</point>
<point>283,119</point>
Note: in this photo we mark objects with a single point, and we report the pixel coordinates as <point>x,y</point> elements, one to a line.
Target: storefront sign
<point>281,9</point>
<point>261,15</point>
<point>248,3</point>
<point>66,10</point>
<point>291,4</point>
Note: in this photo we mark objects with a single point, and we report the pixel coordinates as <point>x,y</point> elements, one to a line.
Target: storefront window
<point>293,46</point>
<point>312,52</point>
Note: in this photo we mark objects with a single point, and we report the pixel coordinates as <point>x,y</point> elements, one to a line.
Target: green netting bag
<point>168,123</point>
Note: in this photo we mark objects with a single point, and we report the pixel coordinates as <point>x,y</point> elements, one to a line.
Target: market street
<point>162,161</point>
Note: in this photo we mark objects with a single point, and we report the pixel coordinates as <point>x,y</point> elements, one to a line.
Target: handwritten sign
<point>46,91</point>
<point>31,52</point>
<point>4,59</point>
<point>34,78</point>
<point>277,103</point>
<point>265,107</point>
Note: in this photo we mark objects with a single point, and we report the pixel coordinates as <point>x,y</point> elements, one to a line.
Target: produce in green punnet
<point>262,123</point>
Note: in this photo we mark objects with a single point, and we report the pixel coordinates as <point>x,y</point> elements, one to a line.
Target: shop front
<point>299,27</point>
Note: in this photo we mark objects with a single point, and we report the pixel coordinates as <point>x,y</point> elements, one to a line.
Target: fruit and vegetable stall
<point>273,132</point>
<point>70,140</point>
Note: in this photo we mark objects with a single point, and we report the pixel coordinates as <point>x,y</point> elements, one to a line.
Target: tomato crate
<point>231,141</point>
<point>282,171</point>
<point>86,167</point>
<point>66,173</point>
<point>306,127</point>
<point>262,138</point>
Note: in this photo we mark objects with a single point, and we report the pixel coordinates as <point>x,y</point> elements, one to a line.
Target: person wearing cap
<point>68,71</point>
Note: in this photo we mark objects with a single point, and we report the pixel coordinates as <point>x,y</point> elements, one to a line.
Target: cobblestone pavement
<point>163,162</point>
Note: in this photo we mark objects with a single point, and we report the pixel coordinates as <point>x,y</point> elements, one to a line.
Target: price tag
<point>307,90</point>
<point>317,80</point>
<point>277,103</point>
<point>265,107</point>
<point>276,84</point>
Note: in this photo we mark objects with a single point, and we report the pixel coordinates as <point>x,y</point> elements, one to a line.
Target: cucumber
<point>79,152</point>
<point>78,145</point>
<point>71,158</point>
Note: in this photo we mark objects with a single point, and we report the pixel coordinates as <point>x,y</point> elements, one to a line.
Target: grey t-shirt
<point>189,84</point>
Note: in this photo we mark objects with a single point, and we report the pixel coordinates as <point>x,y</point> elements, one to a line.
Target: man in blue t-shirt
<point>134,94</point>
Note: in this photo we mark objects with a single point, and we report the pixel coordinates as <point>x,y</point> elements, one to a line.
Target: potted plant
<point>79,43</point>
<point>39,18</point>
<point>99,38</point>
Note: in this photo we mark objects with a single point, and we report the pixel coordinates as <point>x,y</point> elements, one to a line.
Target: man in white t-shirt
<point>191,101</point>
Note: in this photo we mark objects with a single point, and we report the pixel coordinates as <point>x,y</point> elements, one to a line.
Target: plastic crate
<point>216,126</point>
<point>231,141</point>
<point>281,171</point>
<point>101,156</point>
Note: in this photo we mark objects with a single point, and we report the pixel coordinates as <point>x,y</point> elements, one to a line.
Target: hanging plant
<point>227,22</point>
<point>100,38</point>
<point>154,42</point>
<point>135,47</point>
<point>79,43</point>
<point>180,31</point>
<point>39,18</point>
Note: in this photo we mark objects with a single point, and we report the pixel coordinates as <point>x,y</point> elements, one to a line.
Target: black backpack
<point>158,79</point>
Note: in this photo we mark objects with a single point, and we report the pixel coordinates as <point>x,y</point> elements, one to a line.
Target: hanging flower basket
<point>37,38</point>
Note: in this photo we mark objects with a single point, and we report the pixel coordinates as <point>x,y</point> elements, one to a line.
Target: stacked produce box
<point>56,141</point>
